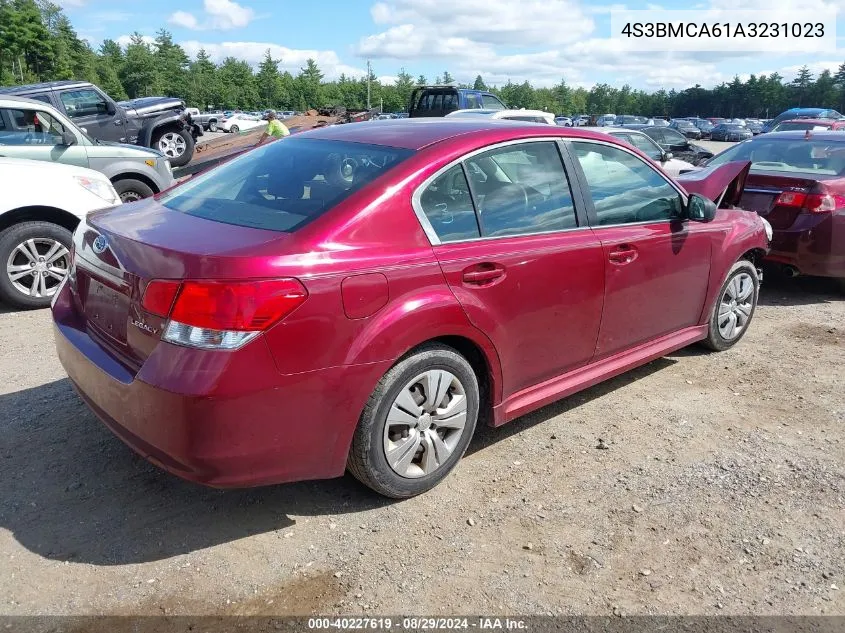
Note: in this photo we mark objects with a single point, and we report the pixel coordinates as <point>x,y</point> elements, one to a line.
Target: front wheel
<point>36,260</point>
<point>234,129</point>
<point>417,424</point>
<point>131,190</point>
<point>177,145</point>
<point>735,306</point>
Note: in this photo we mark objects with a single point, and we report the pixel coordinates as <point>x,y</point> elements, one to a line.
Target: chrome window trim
<point>423,218</point>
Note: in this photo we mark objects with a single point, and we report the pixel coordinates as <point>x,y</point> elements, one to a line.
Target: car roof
<point>24,101</point>
<point>791,135</point>
<point>47,85</point>
<point>812,121</point>
<point>607,129</point>
<point>416,134</point>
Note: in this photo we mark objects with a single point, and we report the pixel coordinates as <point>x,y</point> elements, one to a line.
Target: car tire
<point>44,236</point>
<point>185,148</point>
<point>234,129</point>
<point>377,434</point>
<point>131,190</point>
<point>734,307</point>
<point>212,126</point>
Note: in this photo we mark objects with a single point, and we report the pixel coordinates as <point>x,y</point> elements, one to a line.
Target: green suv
<point>35,130</point>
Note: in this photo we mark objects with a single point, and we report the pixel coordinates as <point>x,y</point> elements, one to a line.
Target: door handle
<point>482,274</point>
<point>623,254</point>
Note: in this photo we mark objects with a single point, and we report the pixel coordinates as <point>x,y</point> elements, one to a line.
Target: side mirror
<point>68,138</point>
<point>700,209</point>
<point>110,107</point>
<point>666,156</point>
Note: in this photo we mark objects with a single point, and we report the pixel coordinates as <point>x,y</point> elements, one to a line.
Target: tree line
<point>39,43</point>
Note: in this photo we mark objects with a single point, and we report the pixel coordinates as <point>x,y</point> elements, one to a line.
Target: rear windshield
<point>821,158</point>
<point>284,184</point>
<point>796,125</point>
<point>436,101</point>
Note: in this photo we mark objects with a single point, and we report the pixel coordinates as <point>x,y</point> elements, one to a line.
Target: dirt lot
<point>722,490</point>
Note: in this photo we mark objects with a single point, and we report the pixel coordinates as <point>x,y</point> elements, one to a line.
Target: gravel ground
<point>721,490</point>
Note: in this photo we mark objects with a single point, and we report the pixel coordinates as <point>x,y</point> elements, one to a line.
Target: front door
<point>656,265</point>
<point>35,134</point>
<point>519,257</point>
<point>88,109</point>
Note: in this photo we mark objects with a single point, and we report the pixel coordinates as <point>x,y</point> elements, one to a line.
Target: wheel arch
<point>136,176</point>
<point>38,213</point>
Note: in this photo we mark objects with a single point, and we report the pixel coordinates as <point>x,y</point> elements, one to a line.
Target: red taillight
<point>159,295</point>
<point>824,203</point>
<point>248,306</point>
<point>791,199</point>
<point>811,202</point>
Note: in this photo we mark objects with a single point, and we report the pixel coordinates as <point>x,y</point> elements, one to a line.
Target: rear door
<point>511,237</point>
<point>656,266</point>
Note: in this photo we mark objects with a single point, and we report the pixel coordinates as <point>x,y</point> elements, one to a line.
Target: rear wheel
<point>735,306</point>
<point>417,423</point>
<point>212,126</point>
<point>177,145</point>
<point>131,190</point>
<point>36,260</point>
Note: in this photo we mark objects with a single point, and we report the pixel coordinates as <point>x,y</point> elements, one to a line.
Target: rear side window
<point>473,100</point>
<point>448,206</point>
<point>624,189</point>
<point>283,185</point>
<point>43,97</point>
<point>84,102</point>
<point>513,190</point>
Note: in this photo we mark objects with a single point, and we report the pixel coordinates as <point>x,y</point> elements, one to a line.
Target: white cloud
<point>70,4</point>
<point>427,28</point>
<point>291,59</point>
<point>183,19</point>
<point>219,15</point>
<point>387,80</point>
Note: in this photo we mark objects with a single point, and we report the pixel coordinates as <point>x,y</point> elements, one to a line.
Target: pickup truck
<point>440,100</point>
<point>207,120</point>
<point>157,122</point>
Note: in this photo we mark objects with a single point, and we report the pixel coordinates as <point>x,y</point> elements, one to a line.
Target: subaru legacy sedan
<point>359,297</point>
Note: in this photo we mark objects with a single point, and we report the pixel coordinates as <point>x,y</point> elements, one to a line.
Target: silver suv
<point>36,130</point>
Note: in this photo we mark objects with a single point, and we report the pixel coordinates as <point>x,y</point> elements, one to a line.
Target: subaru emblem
<point>100,244</point>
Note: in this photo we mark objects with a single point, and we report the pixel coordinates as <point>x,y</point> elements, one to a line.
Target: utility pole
<point>369,74</point>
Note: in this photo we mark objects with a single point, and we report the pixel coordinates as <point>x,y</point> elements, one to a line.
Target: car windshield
<point>285,184</point>
<point>820,157</point>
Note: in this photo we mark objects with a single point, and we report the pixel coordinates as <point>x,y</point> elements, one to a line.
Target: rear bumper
<point>814,244</point>
<point>218,418</point>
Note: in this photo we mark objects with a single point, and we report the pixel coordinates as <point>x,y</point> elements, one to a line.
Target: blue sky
<point>539,40</point>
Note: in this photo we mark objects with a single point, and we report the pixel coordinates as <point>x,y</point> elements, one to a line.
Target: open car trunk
<point>723,184</point>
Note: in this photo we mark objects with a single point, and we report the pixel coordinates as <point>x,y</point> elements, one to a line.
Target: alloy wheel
<point>172,145</point>
<point>736,306</point>
<point>38,266</point>
<point>425,423</point>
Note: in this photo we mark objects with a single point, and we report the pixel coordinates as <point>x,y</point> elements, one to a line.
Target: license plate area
<point>107,309</point>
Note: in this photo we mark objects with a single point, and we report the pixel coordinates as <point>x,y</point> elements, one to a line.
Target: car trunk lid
<point>119,251</point>
<point>764,193</point>
<point>723,184</point>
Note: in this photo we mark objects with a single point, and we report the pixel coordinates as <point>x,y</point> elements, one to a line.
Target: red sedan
<point>359,296</point>
<point>797,183</point>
